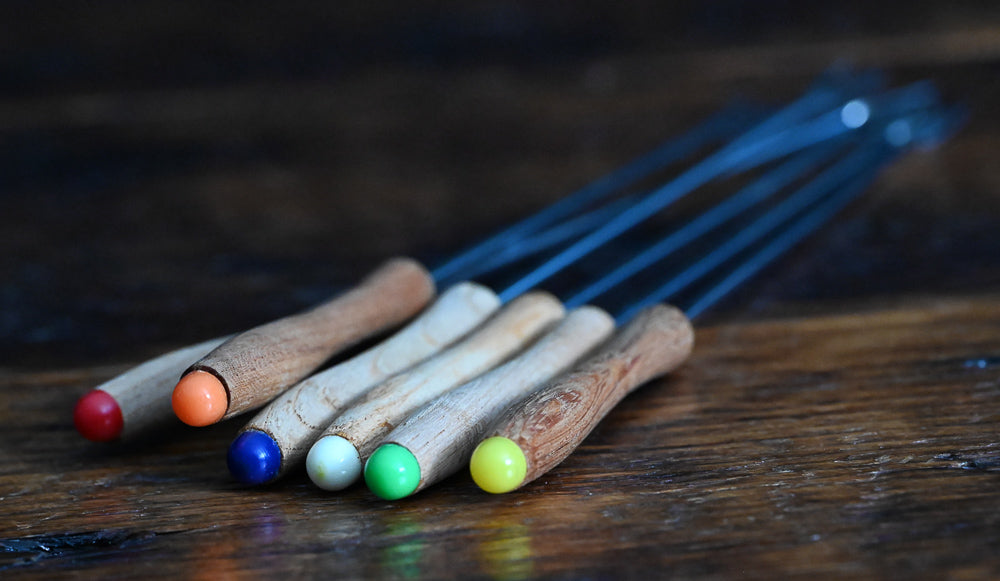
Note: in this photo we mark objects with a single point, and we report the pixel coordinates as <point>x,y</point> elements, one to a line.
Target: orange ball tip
<point>200,399</point>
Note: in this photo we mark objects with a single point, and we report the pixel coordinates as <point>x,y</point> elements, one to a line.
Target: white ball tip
<point>333,463</point>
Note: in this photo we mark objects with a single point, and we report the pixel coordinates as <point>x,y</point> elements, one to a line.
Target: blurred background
<point>174,171</point>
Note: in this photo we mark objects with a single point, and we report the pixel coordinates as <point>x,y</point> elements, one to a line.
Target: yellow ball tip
<point>498,465</point>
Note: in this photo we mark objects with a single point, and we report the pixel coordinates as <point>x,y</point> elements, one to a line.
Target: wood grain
<point>297,417</point>
<point>861,443</point>
<point>143,393</point>
<point>257,365</point>
<point>550,423</point>
<point>506,333</point>
<point>442,434</point>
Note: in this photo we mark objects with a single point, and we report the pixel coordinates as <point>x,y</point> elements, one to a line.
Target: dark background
<point>171,171</point>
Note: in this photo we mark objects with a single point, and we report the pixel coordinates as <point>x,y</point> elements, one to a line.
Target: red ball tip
<point>97,417</point>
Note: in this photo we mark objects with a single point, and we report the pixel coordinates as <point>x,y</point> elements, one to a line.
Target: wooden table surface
<point>175,171</point>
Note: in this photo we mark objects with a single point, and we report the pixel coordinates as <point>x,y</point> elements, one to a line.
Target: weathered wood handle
<point>297,417</point>
<point>551,422</point>
<point>385,406</point>
<point>258,364</point>
<point>442,434</point>
<point>143,392</point>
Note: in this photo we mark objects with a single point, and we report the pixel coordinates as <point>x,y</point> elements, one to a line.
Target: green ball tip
<point>392,472</point>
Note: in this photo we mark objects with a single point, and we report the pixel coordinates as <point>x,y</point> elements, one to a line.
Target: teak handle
<point>298,416</point>
<point>143,392</point>
<point>507,332</point>
<point>257,365</point>
<point>551,422</point>
<point>442,434</point>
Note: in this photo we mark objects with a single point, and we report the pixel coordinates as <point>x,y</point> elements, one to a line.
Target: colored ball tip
<point>200,399</point>
<point>254,458</point>
<point>498,465</point>
<point>392,472</point>
<point>97,417</point>
<point>333,463</point>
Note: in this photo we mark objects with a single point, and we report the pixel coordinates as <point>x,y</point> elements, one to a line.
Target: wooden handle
<point>297,417</point>
<point>143,392</point>
<point>442,434</point>
<point>517,324</point>
<point>258,364</point>
<point>551,422</point>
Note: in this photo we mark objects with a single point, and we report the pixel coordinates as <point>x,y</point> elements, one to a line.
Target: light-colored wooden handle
<point>551,422</point>
<point>143,392</point>
<point>297,417</point>
<point>258,364</point>
<point>442,434</point>
<point>365,424</point>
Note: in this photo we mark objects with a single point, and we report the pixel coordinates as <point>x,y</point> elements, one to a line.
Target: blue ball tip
<point>254,458</point>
